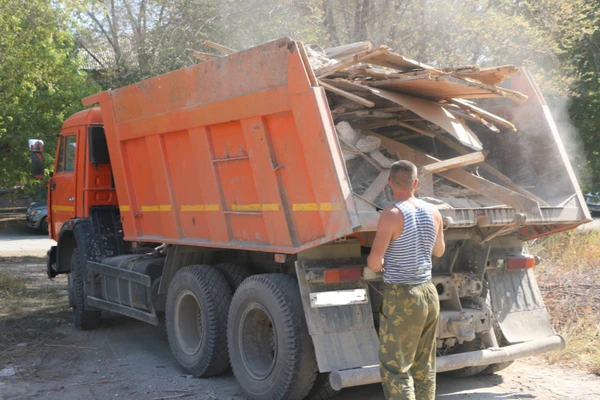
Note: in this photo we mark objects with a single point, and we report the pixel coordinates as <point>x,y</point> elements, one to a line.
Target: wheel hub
<point>188,319</point>
<point>258,341</point>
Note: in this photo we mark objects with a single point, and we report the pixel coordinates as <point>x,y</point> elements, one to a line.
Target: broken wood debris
<point>220,47</point>
<point>399,100</point>
<point>202,56</point>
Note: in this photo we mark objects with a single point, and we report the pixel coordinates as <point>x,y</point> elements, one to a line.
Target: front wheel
<point>83,317</point>
<point>271,352</point>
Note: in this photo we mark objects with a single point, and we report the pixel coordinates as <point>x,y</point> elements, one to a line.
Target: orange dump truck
<point>219,195</point>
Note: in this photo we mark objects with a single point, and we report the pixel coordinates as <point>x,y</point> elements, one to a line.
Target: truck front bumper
<point>370,374</point>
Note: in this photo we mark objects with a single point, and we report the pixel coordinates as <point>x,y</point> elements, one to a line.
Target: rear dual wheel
<point>271,352</point>
<point>196,317</point>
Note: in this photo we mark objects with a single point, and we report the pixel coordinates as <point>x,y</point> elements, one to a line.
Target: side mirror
<point>36,147</point>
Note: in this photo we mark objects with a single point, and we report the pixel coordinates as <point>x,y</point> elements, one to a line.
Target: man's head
<point>403,176</point>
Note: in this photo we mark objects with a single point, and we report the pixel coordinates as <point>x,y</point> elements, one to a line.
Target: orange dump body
<point>239,152</point>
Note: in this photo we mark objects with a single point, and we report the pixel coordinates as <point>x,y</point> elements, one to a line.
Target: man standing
<point>408,234</point>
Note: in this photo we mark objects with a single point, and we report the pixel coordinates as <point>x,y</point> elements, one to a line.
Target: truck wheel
<point>196,316</point>
<point>234,273</point>
<point>322,389</point>
<point>271,352</point>
<point>70,290</point>
<point>473,345</point>
<point>83,318</point>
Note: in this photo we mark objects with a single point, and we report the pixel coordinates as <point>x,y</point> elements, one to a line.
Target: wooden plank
<point>220,47</point>
<point>401,63</point>
<point>487,167</point>
<point>435,113</point>
<point>464,178</point>
<point>485,114</point>
<point>381,159</point>
<point>344,50</point>
<point>351,60</point>
<point>490,76</point>
<point>377,186</point>
<point>349,96</point>
<point>419,127</point>
<point>446,87</point>
<point>456,162</point>
<point>200,55</point>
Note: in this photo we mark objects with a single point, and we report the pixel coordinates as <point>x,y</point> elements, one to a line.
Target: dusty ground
<point>131,360</point>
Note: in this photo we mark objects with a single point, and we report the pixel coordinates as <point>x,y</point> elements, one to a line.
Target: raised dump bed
<point>242,151</point>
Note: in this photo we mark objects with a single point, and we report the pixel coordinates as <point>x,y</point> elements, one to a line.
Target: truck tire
<point>473,345</point>
<point>83,318</point>
<point>234,273</point>
<point>196,317</point>
<point>322,389</point>
<point>271,352</point>
<point>70,290</point>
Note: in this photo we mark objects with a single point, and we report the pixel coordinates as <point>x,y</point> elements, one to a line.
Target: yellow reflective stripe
<point>245,207</point>
<point>305,207</point>
<point>124,208</point>
<point>200,207</point>
<point>317,207</point>
<point>255,207</point>
<point>63,208</point>
<point>162,207</point>
<point>330,206</point>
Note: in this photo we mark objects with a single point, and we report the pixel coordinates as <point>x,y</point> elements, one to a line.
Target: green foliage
<point>584,108</point>
<point>40,83</point>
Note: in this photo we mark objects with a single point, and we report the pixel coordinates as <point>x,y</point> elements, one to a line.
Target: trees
<point>125,41</point>
<point>40,82</point>
<point>584,107</point>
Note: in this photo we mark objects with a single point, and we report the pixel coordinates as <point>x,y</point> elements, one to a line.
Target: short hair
<point>403,174</point>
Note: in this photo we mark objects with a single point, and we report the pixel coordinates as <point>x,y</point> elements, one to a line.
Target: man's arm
<point>440,245</point>
<point>389,222</point>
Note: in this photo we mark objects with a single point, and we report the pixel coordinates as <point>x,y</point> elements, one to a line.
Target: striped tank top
<point>408,258</point>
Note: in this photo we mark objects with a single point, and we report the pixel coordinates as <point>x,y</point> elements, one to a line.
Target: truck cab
<point>82,176</point>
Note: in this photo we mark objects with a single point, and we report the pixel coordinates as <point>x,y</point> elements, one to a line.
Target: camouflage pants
<point>407,333</point>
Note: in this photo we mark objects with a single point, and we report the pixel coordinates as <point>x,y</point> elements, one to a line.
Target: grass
<point>569,278</point>
<point>31,309</point>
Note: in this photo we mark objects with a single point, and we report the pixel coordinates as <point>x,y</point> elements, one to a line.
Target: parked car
<point>36,216</point>
<point>592,200</point>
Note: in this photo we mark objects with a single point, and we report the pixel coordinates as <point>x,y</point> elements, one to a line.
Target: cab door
<point>63,185</point>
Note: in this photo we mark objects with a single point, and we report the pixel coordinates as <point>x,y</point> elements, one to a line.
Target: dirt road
<point>42,356</point>
<point>16,239</point>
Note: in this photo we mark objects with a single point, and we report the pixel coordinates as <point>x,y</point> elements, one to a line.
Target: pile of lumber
<point>387,107</point>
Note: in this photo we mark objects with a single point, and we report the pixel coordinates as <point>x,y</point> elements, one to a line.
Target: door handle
<point>52,185</point>
<point>71,199</point>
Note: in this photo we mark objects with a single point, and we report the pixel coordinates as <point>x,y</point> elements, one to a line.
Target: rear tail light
<point>521,263</point>
<point>342,275</point>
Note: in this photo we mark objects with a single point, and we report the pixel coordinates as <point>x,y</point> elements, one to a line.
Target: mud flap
<point>518,306</point>
<point>343,335</point>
